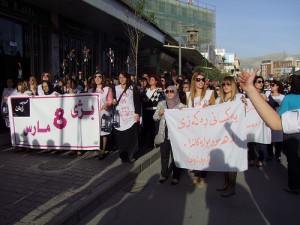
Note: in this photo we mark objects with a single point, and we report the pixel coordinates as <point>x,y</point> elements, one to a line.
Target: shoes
<point>223,188</point>
<point>102,156</point>
<point>251,163</point>
<point>18,149</point>
<point>292,191</point>
<point>260,164</point>
<point>72,153</point>
<point>174,181</point>
<point>195,181</point>
<point>269,158</point>
<point>132,160</point>
<point>202,183</point>
<point>162,180</point>
<point>98,153</point>
<point>278,159</point>
<point>228,193</point>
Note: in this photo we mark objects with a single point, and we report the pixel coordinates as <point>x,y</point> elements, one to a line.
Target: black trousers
<point>261,148</point>
<point>278,149</point>
<point>166,152</point>
<point>128,142</point>
<point>291,143</point>
<point>149,129</point>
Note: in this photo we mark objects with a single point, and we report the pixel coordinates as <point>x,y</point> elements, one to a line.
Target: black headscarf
<point>51,88</point>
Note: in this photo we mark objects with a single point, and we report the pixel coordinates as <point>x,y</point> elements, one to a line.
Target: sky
<point>251,28</point>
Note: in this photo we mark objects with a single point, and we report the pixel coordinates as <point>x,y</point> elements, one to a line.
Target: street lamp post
<point>191,30</point>
<point>111,56</point>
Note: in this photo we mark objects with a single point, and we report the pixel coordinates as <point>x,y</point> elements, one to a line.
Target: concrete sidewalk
<point>47,188</point>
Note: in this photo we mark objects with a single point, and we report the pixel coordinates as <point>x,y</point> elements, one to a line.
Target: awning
<point>190,55</point>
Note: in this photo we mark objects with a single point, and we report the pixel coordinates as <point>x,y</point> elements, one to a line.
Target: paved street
<point>259,200</point>
<point>47,188</point>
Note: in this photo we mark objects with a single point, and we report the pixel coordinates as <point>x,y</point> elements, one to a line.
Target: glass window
<point>11,38</point>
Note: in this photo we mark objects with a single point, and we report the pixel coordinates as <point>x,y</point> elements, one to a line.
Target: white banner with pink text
<point>256,129</point>
<point>69,122</point>
<point>212,138</point>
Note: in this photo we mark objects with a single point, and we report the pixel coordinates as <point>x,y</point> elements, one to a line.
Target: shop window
<point>11,38</point>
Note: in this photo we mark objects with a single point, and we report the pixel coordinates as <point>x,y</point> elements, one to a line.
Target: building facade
<point>66,37</point>
<point>280,69</point>
<point>173,16</point>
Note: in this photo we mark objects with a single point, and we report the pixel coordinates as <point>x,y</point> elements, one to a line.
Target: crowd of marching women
<point>145,101</point>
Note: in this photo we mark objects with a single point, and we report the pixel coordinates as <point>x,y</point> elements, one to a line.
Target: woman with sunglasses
<point>258,83</point>
<point>106,100</point>
<point>199,97</point>
<point>128,104</point>
<point>277,93</point>
<point>278,121</point>
<point>172,102</point>
<point>228,93</point>
<point>32,85</point>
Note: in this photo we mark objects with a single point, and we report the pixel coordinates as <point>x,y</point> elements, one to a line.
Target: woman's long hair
<point>234,89</point>
<point>263,81</point>
<point>128,80</point>
<point>157,79</point>
<point>295,84</point>
<point>280,86</point>
<point>193,88</point>
<point>35,83</point>
<point>94,85</point>
<point>24,86</point>
<point>50,77</point>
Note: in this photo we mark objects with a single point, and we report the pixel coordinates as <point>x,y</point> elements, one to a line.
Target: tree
<point>133,27</point>
<point>213,74</point>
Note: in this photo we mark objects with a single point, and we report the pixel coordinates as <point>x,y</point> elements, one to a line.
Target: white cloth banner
<point>256,129</point>
<point>211,139</point>
<point>291,121</point>
<point>68,122</point>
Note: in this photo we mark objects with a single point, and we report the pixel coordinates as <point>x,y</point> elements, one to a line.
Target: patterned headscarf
<point>172,103</point>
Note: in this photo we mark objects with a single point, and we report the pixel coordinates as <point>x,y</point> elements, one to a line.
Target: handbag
<point>159,139</point>
<point>160,136</point>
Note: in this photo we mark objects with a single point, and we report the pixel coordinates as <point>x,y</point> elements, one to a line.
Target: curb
<point>76,212</point>
<point>5,139</point>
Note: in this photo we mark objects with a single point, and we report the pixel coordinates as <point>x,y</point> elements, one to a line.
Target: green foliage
<point>211,74</point>
<point>139,11</point>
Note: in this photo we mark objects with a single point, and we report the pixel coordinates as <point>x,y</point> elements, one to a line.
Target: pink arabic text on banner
<point>68,122</point>
<point>211,139</point>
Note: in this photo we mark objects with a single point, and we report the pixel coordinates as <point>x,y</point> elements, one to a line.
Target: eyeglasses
<point>259,81</point>
<point>97,76</point>
<point>200,79</point>
<point>272,85</point>
<point>226,84</point>
<point>170,91</point>
<point>162,81</point>
<point>217,89</point>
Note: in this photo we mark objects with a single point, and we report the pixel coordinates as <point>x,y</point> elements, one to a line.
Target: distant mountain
<point>255,62</point>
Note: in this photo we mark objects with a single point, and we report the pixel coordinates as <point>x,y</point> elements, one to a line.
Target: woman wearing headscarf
<point>48,88</point>
<point>172,102</point>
